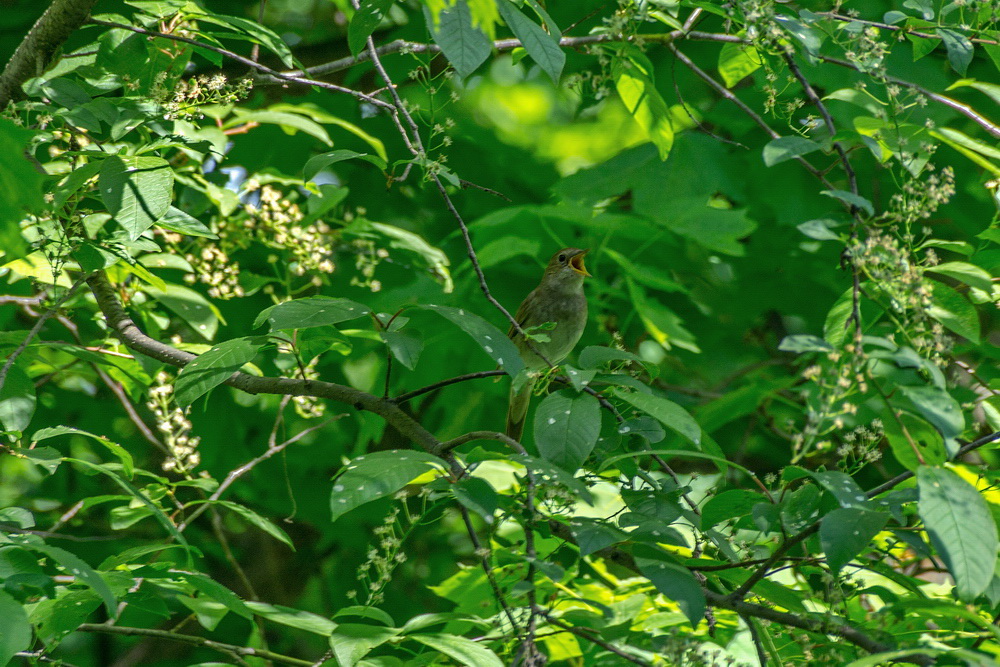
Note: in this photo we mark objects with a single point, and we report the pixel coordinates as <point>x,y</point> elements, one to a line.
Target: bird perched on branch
<point>559,300</point>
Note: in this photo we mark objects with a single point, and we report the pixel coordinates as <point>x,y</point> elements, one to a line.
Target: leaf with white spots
<point>80,571</point>
<point>961,528</point>
<point>313,311</point>
<point>548,474</point>
<point>843,487</point>
<point>566,428</point>
<point>666,412</point>
<point>377,475</point>
<point>493,341</point>
<point>846,532</point>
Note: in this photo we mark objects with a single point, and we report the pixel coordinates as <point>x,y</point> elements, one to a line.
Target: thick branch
<point>39,46</point>
<point>135,339</point>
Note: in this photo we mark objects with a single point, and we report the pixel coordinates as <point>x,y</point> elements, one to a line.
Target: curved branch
<point>39,46</point>
<point>135,339</point>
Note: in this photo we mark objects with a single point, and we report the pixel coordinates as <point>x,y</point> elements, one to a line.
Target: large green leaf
<point>17,399</point>
<point>16,633</point>
<point>493,341</point>
<point>729,505</point>
<point>465,46</point>
<point>846,532</point>
<point>20,187</point>
<point>634,80</point>
<point>313,311</point>
<point>373,476</point>
<point>954,311</point>
<point>197,311</point>
<point>677,583</point>
<point>566,428</point>
<point>214,367</point>
<point>136,190</point>
<point>120,452</point>
<point>737,62</point>
<point>961,528</point>
<point>788,148</point>
<point>939,408</point>
<point>366,19</point>
<point>463,651</point>
<point>666,411</point>
<point>542,47</point>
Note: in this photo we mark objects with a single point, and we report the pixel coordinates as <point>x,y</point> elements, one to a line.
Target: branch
<point>229,649</point>
<point>247,61</point>
<point>906,30</point>
<point>404,46</point>
<point>39,46</point>
<point>403,398</point>
<point>49,312</point>
<point>135,339</point>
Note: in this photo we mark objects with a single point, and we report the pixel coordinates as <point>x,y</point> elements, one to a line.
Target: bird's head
<point>567,264</point>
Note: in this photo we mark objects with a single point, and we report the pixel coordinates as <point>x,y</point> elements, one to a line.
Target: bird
<point>558,299</point>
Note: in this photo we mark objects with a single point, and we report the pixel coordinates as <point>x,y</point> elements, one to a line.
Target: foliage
<point>260,258</point>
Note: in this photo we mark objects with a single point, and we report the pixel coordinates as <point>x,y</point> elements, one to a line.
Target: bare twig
<point>229,649</point>
<point>49,312</point>
<point>248,62</point>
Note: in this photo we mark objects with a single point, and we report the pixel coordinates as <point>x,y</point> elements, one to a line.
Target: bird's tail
<point>517,409</point>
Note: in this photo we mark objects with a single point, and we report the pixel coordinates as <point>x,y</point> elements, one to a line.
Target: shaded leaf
<point>566,428</point>
<point>373,476</point>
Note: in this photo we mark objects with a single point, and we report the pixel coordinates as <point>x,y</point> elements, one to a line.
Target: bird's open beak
<point>576,261</point>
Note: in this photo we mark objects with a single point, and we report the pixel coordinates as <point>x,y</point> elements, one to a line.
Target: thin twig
<point>49,312</point>
<point>246,61</point>
<point>229,649</point>
<point>402,398</point>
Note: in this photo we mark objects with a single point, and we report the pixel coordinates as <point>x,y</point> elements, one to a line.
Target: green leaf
<point>178,221</point>
<point>350,642</point>
<point>366,19</point>
<point>991,89</point>
<point>81,571</point>
<point>801,343</point>
<point>405,347</point>
<point>320,162</point>
<point>737,62</point>
<point>787,148</point>
<point>923,438</point>
<point>191,307</point>
<point>313,311</point>
<point>939,408</point>
<point>922,46</point>
<point>717,229</point>
<point>16,633</point>
<point>554,474</point>
<point>592,535</point>
<point>966,273</point>
<point>255,32</point>
<point>960,49</point>
<point>20,187</point>
<point>846,532</point>
<point>567,425</point>
<point>633,75</point>
<point>289,121</point>
<point>649,276</point>
<point>293,618</point>
<point>463,651</point>
<point>660,322</point>
<point>373,476</point>
<point>954,311</point>
<point>960,527</point>
<point>542,47</point>
<point>257,520</point>
<point>842,487</point>
<point>677,583</point>
<point>666,412</point>
<point>478,495</point>
<point>820,229</point>
<point>218,592</point>
<point>136,191</point>
<point>17,399</point>
<point>214,367</point>
<point>465,46</point>
<point>729,505</point>
<point>595,356</point>
<point>851,199</point>
<point>493,341</point>
<point>120,452</point>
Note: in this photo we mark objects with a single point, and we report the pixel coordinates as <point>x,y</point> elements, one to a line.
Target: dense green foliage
<point>245,245</point>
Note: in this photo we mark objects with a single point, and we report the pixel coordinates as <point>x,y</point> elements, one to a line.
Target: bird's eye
<point>562,258</point>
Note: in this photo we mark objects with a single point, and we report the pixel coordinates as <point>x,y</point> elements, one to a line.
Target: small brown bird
<point>558,299</point>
